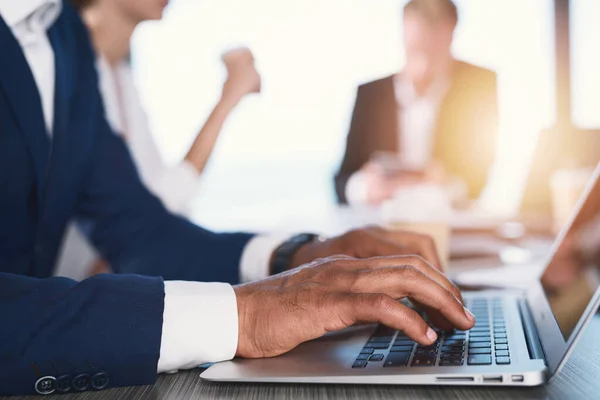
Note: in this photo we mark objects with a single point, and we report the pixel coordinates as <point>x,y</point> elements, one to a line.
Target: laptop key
<point>378,346</point>
<point>479,339</point>
<point>386,339</point>
<point>367,350</point>
<point>426,350</point>
<point>480,345</point>
<point>501,347</point>
<point>480,334</point>
<point>449,357</point>
<point>424,360</point>
<point>453,342</point>
<point>479,359</point>
<point>451,363</point>
<point>397,359</point>
<point>453,345</point>
<point>359,364</point>
<point>362,357</point>
<point>404,342</point>
<point>480,327</point>
<point>451,354</point>
<point>401,348</point>
<point>454,348</point>
<point>501,341</point>
<point>503,360</point>
<point>376,357</point>
<point>480,351</point>
<point>502,353</point>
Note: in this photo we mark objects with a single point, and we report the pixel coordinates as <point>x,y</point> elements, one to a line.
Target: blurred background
<point>279,151</point>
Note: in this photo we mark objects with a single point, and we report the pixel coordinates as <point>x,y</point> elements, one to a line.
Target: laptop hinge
<point>534,346</point>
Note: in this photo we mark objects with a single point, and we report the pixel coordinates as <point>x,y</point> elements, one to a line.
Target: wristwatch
<point>282,257</point>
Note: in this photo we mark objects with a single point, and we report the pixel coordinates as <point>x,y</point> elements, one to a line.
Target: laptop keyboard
<point>485,344</point>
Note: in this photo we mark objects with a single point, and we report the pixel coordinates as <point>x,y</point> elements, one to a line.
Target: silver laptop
<point>520,338</point>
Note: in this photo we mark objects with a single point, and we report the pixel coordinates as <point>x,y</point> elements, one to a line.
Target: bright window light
<point>279,151</point>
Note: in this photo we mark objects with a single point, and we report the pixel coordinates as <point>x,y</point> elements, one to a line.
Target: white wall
<point>585,62</point>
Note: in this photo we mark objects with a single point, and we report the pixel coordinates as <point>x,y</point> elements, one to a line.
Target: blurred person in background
<point>111,24</point>
<point>435,121</point>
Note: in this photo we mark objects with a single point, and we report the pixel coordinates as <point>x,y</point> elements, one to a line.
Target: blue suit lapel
<point>62,160</point>
<point>19,86</point>
<point>61,106</point>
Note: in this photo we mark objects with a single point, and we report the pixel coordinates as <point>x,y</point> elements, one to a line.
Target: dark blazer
<point>465,133</point>
<point>108,326</point>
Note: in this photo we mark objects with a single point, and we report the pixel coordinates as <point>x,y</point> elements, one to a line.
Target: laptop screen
<point>572,275</point>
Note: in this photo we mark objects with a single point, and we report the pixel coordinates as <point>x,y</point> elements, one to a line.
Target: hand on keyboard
<point>279,313</point>
<point>485,342</point>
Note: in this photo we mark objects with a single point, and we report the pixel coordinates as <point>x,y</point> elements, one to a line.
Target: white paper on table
<point>511,276</point>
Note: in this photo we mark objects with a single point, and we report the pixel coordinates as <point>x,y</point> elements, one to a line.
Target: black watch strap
<point>282,257</point>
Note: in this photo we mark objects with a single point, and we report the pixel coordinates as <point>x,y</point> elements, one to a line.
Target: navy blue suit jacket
<point>112,323</point>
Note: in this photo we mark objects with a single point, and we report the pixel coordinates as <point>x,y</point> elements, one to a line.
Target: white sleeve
<point>200,325</point>
<point>256,257</point>
<point>176,186</point>
<point>356,189</point>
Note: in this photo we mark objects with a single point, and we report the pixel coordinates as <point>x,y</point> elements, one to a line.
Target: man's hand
<point>285,310</point>
<point>371,242</point>
<point>242,77</point>
<point>381,186</point>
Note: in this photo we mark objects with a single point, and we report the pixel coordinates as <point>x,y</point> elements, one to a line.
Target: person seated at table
<point>111,24</point>
<point>175,301</point>
<point>438,117</point>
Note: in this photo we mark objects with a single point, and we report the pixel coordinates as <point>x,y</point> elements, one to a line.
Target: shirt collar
<point>42,12</point>
<point>406,94</point>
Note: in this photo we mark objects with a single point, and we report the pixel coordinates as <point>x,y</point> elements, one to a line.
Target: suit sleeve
<point>106,327</point>
<point>355,155</point>
<point>129,226</point>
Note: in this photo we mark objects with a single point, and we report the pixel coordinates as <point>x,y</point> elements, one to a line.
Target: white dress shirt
<point>417,117</point>
<point>200,321</point>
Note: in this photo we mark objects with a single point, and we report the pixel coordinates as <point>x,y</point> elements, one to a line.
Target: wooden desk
<point>580,379</point>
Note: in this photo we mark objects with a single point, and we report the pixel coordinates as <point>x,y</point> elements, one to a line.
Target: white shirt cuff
<point>200,325</point>
<point>356,189</point>
<point>256,257</point>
